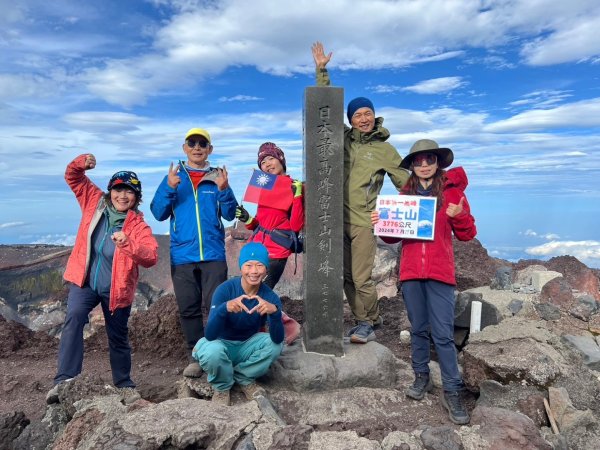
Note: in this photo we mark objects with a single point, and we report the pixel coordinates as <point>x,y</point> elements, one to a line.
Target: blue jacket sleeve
<point>161,205</point>
<point>228,203</point>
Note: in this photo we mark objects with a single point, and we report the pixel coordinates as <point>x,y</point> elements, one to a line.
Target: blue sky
<point>511,86</point>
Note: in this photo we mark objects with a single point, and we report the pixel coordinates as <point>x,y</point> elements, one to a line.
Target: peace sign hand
<point>263,307</point>
<point>173,178</point>
<point>222,181</point>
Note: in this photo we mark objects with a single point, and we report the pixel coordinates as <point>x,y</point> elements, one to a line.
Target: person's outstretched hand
<point>319,56</point>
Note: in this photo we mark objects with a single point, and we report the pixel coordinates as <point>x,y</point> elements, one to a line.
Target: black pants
<point>194,285</point>
<point>276,268</point>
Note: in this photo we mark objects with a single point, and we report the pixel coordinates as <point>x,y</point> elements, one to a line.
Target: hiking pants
<point>194,285</point>
<point>227,362</point>
<point>80,303</point>
<point>359,257</point>
<point>430,304</point>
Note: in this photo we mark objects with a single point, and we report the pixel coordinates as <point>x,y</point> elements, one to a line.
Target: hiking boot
<point>377,323</point>
<point>455,405</point>
<point>252,390</point>
<point>421,385</point>
<point>52,395</point>
<point>221,397</point>
<point>352,330</point>
<point>193,370</point>
<point>363,333</point>
<point>129,395</point>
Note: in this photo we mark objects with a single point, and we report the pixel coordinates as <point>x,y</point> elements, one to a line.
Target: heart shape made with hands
<point>250,297</point>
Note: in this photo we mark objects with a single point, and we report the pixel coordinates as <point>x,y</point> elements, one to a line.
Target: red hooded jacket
<point>141,247</point>
<point>434,260</point>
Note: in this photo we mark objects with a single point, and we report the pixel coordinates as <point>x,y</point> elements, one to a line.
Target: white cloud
<point>548,236</point>
<point>587,252</point>
<point>584,113</point>
<point>181,53</point>
<point>105,121</point>
<point>12,224</point>
<point>240,98</point>
<point>436,85</point>
<point>575,40</point>
<point>56,239</point>
<point>542,99</point>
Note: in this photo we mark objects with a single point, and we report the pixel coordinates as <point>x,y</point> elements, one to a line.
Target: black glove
<point>242,215</point>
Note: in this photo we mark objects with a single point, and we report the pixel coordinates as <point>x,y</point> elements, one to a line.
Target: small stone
<point>405,337</point>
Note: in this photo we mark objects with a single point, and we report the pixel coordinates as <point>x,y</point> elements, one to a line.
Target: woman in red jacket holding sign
<point>427,271</point>
<point>271,159</point>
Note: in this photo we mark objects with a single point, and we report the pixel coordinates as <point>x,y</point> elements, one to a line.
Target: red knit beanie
<point>270,149</point>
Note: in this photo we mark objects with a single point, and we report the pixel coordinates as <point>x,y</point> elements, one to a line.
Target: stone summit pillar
<point>323,206</point>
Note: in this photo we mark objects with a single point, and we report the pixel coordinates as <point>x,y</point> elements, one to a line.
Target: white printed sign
<point>406,216</point>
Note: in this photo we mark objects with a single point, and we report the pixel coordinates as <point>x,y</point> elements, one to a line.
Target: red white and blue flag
<point>270,190</point>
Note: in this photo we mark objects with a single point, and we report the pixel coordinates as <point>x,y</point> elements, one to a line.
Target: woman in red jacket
<point>111,242</point>
<point>427,271</point>
<point>271,159</point>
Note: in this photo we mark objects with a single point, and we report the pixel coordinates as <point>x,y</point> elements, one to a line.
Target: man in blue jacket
<point>235,349</point>
<point>195,196</point>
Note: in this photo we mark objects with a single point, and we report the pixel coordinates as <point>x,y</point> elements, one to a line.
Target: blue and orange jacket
<point>197,233</point>
<point>141,248</point>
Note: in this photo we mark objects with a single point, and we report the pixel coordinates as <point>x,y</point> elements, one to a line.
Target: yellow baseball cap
<point>197,132</point>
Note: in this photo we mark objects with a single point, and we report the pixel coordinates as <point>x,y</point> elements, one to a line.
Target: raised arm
<point>84,189</point>
<point>321,60</point>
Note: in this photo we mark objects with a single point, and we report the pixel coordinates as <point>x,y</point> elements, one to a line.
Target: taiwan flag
<point>274,191</point>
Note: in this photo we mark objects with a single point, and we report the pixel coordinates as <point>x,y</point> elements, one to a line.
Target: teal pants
<point>227,362</point>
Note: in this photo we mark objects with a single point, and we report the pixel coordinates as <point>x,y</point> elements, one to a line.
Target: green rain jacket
<point>367,158</point>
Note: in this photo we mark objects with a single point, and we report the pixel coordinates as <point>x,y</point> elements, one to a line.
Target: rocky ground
<point>540,343</point>
<point>28,359</point>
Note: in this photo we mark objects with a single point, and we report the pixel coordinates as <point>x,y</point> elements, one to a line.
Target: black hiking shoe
<point>455,405</point>
<point>421,385</point>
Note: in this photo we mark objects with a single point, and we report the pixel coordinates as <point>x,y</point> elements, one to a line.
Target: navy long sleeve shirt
<point>242,326</point>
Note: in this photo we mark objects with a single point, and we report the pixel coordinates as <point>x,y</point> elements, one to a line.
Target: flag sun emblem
<point>262,180</point>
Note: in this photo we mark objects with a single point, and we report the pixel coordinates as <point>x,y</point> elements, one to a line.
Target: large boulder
<point>578,275</point>
<point>514,350</point>
<point>508,430</point>
<point>371,365</point>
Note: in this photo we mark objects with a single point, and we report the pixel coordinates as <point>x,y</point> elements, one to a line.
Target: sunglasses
<point>428,158</point>
<point>202,143</point>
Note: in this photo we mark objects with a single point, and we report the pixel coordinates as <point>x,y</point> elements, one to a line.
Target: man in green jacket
<point>367,158</point>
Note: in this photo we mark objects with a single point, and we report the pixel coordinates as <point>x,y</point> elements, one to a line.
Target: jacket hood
<point>456,177</point>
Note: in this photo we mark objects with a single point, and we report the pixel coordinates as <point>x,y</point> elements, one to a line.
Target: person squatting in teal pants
<point>234,349</point>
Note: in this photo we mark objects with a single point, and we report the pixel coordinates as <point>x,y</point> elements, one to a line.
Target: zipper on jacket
<point>93,222</point>
<point>423,259</point>
<point>100,257</point>
<point>198,225</point>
